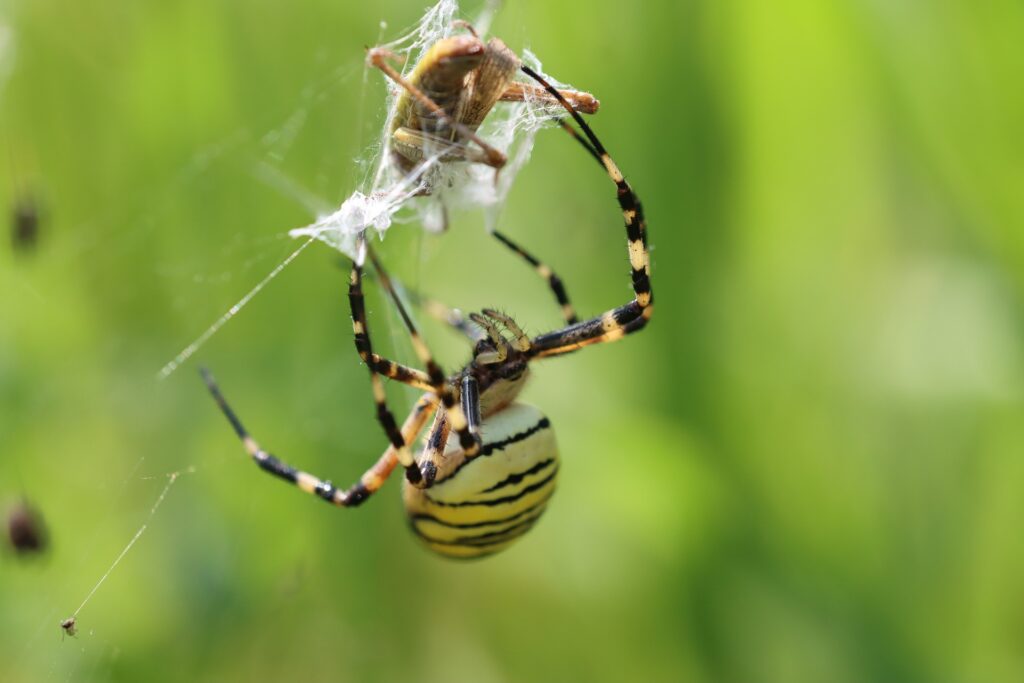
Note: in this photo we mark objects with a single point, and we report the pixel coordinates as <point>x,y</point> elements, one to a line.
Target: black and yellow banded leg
<point>433,457</point>
<point>389,368</point>
<point>439,383</point>
<point>433,450</point>
<point>633,316</point>
<point>371,480</point>
<point>375,477</point>
<point>576,136</point>
<point>554,282</point>
<point>398,372</point>
<point>608,327</point>
<point>439,311</point>
<point>385,417</point>
<point>377,363</point>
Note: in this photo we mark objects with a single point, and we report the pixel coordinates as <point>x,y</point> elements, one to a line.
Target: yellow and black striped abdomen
<point>484,504</point>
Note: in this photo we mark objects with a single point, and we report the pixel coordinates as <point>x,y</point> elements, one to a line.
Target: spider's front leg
<point>634,315</point>
<point>544,270</point>
<point>468,441</point>
<point>378,366</point>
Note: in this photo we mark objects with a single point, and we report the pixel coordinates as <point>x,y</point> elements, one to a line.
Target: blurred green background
<point>808,468</point>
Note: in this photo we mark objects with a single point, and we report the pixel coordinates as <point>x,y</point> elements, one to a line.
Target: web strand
<point>428,190</point>
<point>173,477</point>
<point>187,352</point>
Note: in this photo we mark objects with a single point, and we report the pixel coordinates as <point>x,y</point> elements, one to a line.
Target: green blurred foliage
<point>808,468</point>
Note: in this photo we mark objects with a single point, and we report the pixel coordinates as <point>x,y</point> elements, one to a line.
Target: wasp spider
<point>477,493</point>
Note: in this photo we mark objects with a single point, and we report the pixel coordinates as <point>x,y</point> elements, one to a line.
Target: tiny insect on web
<point>69,625</point>
<point>476,494</point>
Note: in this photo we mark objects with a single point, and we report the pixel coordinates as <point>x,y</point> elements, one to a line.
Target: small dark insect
<point>25,221</point>
<point>26,531</point>
<point>69,626</point>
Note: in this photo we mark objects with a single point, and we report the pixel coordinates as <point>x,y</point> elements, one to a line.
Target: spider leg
<point>471,403</point>
<point>371,480</point>
<point>554,282</point>
<point>452,317</point>
<point>618,322</point>
<point>377,363</point>
<point>608,327</point>
<point>434,465</point>
<point>439,311</point>
<point>441,387</point>
<point>433,450</point>
<point>380,366</point>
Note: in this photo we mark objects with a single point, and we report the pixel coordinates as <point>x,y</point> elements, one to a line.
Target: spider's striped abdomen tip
<point>480,506</point>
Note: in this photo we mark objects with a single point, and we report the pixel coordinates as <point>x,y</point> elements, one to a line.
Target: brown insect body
<point>464,78</point>
<point>450,92</point>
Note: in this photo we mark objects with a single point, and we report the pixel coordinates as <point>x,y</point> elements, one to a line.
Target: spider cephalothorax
<point>472,493</point>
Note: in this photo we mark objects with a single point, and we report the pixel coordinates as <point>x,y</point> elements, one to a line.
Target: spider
<point>475,495</point>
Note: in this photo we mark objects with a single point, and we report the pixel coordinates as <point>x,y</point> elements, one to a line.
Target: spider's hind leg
<point>371,480</point>
<point>439,383</point>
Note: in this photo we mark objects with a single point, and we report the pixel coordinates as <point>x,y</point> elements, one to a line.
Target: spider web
<point>389,195</point>
<point>384,198</point>
<point>510,127</point>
